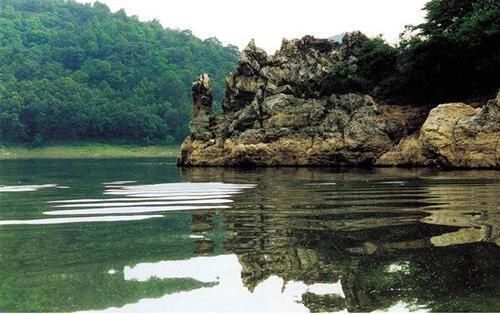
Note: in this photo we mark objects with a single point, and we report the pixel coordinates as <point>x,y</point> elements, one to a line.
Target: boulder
<point>459,136</point>
<point>455,135</point>
<point>408,152</point>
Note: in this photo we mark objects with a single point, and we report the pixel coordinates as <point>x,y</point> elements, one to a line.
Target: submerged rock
<point>277,111</point>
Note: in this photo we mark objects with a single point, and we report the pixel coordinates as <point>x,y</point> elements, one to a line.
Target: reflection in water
<point>475,210</point>
<point>377,235</point>
<point>130,210</point>
<point>227,293</point>
<point>135,200</point>
<point>52,221</point>
<point>26,188</point>
<point>282,239</point>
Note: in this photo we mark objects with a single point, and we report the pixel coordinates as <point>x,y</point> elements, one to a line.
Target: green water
<point>266,240</point>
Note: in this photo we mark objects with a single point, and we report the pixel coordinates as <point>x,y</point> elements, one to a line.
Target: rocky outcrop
<point>454,135</point>
<point>202,109</point>
<point>338,130</point>
<point>202,96</point>
<point>278,111</point>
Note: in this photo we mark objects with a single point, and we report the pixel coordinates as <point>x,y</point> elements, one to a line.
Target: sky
<point>269,21</point>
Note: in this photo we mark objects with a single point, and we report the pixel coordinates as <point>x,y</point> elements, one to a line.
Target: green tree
<point>454,54</point>
<point>77,71</point>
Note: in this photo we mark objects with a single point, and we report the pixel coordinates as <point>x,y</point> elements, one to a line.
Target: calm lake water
<point>143,235</point>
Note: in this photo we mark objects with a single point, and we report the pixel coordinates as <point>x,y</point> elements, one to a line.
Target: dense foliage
<point>453,55</point>
<point>73,71</point>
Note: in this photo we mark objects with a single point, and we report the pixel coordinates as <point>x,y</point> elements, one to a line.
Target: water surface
<point>143,235</point>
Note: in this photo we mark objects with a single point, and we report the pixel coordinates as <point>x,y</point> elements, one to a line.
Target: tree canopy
<point>453,55</point>
<point>71,71</point>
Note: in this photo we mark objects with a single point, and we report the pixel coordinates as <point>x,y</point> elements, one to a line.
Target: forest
<point>454,55</point>
<point>71,71</point>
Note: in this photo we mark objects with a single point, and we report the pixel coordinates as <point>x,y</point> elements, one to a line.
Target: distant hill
<point>71,71</point>
<point>337,38</point>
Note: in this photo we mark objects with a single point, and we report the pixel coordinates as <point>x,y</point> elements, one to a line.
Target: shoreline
<point>86,150</point>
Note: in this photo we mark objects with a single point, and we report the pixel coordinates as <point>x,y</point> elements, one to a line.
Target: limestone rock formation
<point>278,111</point>
<point>454,135</point>
<point>202,96</point>
<point>202,108</point>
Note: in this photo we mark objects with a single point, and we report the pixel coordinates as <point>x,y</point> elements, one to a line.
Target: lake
<point>143,235</point>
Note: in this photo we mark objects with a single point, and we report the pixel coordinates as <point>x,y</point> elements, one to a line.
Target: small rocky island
<point>276,113</point>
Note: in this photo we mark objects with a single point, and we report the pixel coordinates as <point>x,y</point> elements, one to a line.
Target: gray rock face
<point>296,69</point>
<point>200,127</point>
<point>202,96</point>
<point>275,113</point>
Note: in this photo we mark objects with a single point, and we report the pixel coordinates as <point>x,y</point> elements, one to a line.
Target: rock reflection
<point>224,290</point>
<point>297,228</point>
<point>474,208</point>
<point>300,240</point>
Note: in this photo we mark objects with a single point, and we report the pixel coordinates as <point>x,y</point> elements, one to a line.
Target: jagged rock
<point>286,130</point>
<point>202,96</point>
<point>276,113</point>
<point>200,127</point>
